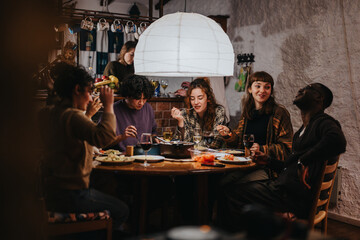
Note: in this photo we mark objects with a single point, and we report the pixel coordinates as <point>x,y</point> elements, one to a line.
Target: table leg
<point>143,204</point>
<point>202,199</point>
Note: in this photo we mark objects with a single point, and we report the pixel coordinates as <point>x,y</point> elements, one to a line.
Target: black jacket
<point>322,140</point>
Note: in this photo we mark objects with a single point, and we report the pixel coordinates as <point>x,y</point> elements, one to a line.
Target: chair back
<point>324,186</point>
<point>58,224</point>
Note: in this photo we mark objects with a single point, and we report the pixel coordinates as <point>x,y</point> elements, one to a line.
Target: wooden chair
<point>52,229</point>
<point>319,210</point>
<point>57,229</point>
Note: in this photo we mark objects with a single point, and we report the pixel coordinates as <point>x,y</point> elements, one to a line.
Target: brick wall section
<point>162,109</point>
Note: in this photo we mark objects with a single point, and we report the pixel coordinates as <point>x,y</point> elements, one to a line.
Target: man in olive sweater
<point>320,138</point>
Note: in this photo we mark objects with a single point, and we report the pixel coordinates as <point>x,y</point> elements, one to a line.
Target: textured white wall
<point>299,42</point>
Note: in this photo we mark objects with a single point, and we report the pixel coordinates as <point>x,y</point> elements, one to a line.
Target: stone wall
<point>299,42</point>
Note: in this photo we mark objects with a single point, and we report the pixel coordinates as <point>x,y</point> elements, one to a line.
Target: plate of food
<point>231,159</point>
<point>236,152</point>
<point>149,158</point>
<point>110,151</point>
<point>113,159</point>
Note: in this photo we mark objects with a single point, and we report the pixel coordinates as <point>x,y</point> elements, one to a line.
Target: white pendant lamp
<point>184,45</point>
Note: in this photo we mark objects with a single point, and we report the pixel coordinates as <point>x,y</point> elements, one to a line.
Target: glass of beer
<point>168,134</point>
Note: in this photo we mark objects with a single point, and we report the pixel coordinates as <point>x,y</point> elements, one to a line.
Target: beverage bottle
<point>157,89</point>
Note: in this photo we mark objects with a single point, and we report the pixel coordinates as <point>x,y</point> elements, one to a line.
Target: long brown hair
<point>209,117</point>
<point>124,49</point>
<point>248,102</point>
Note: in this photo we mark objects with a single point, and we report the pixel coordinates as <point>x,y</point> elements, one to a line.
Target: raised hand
<point>176,113</point>
<point>93,107</point>
<point>223,130</point>
<point>107,98</point>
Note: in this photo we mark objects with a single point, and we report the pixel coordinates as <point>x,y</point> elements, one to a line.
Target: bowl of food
<point>202,156</point>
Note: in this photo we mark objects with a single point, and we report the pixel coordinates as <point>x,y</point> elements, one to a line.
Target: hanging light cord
<point>185,6</point>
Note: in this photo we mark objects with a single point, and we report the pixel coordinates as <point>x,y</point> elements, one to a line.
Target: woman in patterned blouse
<point>202,110</point>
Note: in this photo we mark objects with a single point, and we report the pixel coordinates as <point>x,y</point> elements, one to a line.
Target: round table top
<point>172,168</point>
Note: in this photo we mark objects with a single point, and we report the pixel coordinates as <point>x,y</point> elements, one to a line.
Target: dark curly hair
<point>248,102</point>
<point>209,117</point>
<point>135,85</point>
<point>67,76</point>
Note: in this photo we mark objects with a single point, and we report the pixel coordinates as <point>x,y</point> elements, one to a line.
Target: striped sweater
<point>278,138</point>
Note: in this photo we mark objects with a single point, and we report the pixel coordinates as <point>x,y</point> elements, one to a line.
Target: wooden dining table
<point>172,169</point>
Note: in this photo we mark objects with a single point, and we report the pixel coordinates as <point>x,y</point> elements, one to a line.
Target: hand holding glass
<point>167,134</point>
<point>146,143</point>
<point>248,141</point>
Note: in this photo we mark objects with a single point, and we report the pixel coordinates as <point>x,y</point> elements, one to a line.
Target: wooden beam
<point>150,9</point>
<point>157,6</point>
<point>161,10</point>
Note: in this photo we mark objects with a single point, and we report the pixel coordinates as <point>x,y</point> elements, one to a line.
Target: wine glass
<point>146,143</point>
<point>248,141</point>
<point>167,134</point>
<point>197,136</point>
<point>208,137</point>
<point>164,85</point>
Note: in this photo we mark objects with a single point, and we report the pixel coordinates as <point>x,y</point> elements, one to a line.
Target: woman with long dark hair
<point>202,110</point>
<point>267,120</point>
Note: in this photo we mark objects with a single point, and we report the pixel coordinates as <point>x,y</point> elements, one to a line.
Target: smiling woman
<point>202,111</point>
<point>268,121</point>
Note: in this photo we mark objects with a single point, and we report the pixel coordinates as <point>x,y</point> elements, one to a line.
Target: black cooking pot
<point>175,149</point>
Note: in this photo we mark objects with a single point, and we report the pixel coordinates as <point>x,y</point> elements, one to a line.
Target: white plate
<point>179,160</point>
<point>232,151</point>
<point>237,160</point>
<point>149,158</point>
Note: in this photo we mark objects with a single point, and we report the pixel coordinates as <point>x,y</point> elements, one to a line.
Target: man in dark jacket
<point>320,138</point>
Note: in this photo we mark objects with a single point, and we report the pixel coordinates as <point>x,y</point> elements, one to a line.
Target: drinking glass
<point>197,136</point>
<point>164,84</point>
<point>155,83</point>
<point>146,143</point>
<point>167,134</point>
<point>208,137</point>
<point>248,141</point>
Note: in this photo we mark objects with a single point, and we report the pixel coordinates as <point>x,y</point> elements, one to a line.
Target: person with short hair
<point>134,115</point>
<point>69,136</point>
<point>320,138</point>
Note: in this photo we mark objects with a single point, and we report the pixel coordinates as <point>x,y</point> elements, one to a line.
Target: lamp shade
<point>184,45</point>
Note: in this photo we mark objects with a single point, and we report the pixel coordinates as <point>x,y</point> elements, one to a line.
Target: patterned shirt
<point>192,121</point>
<point>278,138</point>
